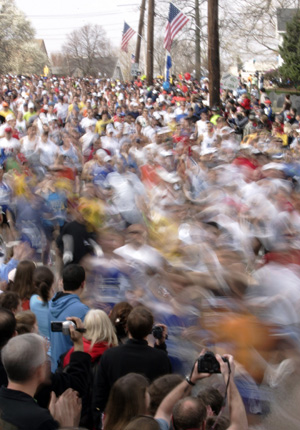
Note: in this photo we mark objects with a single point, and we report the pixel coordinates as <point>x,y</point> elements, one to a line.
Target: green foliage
<point>290,51</point>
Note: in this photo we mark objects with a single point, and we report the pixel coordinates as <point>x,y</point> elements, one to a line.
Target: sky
<point>54,19</point>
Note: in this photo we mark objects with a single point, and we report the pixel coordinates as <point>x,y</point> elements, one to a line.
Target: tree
<point>290,51</point>
<point>15,31</point>
<point>86,48</point>
<point>30,60</point>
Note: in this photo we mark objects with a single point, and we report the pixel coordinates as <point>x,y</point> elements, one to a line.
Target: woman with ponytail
<point>43,279</point>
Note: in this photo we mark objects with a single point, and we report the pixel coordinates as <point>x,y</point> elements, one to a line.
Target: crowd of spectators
<point>140,226</point>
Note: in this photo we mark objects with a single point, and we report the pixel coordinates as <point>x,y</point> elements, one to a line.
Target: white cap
<point>30,105</point>
<point>227,130</point>
<point>170,177</point>
<point>101,153</point>
<point>9,117</point>
<point>275,166</point>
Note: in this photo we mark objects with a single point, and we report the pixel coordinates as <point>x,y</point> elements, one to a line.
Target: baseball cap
<point>10,117</point>
<point>8,129</point>
<point>4,104</point>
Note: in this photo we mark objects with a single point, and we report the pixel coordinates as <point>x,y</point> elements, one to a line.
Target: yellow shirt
<point>3,113</point>
<point>81,105</point>
<point>100,125</point>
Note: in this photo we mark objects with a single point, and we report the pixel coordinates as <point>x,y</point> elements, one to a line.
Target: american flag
<point>176,22</point>
<point>128,32</point>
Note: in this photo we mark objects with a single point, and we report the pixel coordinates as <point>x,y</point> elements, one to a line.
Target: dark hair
<point>118,316</point>
<point>140,322</point>
<point>144,423</point>
<point>9,300</point>
<point>212,397</point>
<point>160,388</point>
<point>73,277</point>
<point>25,322</point>
<point>7,326</point>
<point>222,424</point>
<point>43,279</point>
<point>189,413</point>
<point>23,282</point>
<point>126,400</point>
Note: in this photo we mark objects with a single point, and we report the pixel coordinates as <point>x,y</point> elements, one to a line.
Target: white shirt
<point>48,152</point>
<point>111,144</point>
<point>145,254</point>
<point>10,146</point>
<point>201,127</point>
<point>28,146</point>
<point>87,122</point>
<point>62,110</point>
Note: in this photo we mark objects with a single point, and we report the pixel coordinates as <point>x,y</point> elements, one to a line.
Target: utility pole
<point>150,41</point>
<point>213,52</point>
<point>140,32</point>
<point>197,34</point>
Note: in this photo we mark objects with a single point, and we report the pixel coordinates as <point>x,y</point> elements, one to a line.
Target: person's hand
<point>67,257</point>
<point>22,251</point>
<point>75,335</point>
<point>164,334</point>
<point>196,376</point>
<point>224,366</point>
<point>66,409</point>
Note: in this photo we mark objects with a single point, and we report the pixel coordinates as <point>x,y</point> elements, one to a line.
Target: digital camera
<point>157,332</point>
<point>208,363</point>
<point>62,326</point>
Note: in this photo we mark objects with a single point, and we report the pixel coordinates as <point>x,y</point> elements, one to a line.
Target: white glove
<point>67,257</point>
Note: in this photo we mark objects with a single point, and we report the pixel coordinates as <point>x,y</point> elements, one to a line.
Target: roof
<point>283,17</point>
<point>41,44</point>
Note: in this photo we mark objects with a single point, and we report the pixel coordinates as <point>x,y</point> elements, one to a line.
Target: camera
<point>62,326</point>
<point>157,332</point>
<point>208,363</point>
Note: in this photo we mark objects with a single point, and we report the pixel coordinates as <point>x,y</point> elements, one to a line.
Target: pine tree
<point>290,51</point>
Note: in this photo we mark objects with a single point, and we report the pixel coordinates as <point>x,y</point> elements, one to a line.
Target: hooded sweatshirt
<point>63,305</point>
<point>95,351</point>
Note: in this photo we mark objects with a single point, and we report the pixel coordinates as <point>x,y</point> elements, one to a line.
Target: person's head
<point>189,413</point>
<point>222,423</point>
<point>144,423</point>
<point>160,388</point>
<point>31,131</point>
<point>118,316</point>
<point>43,279</point>
<point>11,301</point>
<point>73,277</point>
<point>26,322</point>
<point>136,235</point>
<point>7,326</point>
<point>24,359</point>
<point>127,399</point>
<point>23,282</point>
<point>212,398</point>
<point>140,322</point>
<point>99,328</point>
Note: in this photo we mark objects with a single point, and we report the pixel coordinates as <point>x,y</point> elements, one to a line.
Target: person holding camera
<point>187,412</point>
<point>26,364</point>
<point>133,356</point>
<point>64,304</point>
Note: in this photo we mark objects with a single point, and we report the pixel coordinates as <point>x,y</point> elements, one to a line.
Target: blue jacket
<point>63,305</point>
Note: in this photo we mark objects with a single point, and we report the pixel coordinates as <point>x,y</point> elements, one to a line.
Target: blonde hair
<point>99,328</point>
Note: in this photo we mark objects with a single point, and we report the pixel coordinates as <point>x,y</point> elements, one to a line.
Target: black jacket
<point>76,377</point>
<point>20,410</point>
<point>133,356</point>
